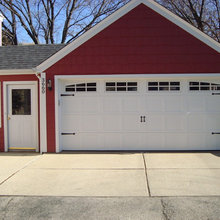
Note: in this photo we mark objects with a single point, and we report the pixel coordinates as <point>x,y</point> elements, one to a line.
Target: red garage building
<point>142,79</point>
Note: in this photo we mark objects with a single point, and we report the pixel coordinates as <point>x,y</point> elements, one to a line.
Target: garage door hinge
<point>215,93</point>
<point>67,95</point>
<point>68,133</point>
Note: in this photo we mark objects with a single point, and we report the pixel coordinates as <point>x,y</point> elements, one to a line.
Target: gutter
<point>17,71</point>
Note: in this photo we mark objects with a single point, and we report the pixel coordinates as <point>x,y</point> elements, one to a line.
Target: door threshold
<point>21,149</point>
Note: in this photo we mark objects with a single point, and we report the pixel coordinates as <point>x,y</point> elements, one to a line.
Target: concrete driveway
<point>110,174</point>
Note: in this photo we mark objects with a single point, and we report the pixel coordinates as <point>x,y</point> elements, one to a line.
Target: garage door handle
<point>142,118</point>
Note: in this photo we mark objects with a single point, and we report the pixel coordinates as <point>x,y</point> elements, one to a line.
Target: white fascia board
<point>118,14</point>
<point>1,17</point>
<point>17,72</point>
<point>139,76</point>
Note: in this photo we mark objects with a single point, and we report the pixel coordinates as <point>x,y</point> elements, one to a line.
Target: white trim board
<point>57,135</point>
<point>43,113</point>
<point>5,109</point>
<point>118,14</point>
<point>139,76</point>
<point>17,72</point>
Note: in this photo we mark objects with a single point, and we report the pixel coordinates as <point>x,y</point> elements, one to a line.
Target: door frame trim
<point>5,109</point>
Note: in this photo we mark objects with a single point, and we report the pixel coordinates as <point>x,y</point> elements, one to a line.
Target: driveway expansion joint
<point>27,164</point>
<point>145,170</point>
<point>128,169</point>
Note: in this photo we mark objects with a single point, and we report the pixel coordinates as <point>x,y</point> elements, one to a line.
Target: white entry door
<point>22,117</point>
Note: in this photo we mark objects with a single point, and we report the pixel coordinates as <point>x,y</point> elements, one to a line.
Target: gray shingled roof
<point>26,56</point>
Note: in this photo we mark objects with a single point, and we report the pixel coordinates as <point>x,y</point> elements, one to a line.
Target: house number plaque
<point>43,85</point>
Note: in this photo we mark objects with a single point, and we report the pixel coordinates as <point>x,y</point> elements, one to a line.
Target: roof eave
<point>17,71</point>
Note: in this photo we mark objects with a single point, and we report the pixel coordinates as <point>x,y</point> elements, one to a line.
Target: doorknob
<point>9,117</point>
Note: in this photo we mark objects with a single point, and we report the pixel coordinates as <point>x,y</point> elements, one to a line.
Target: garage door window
<point>203,86</point>
<point>81,87</point>
<point>163,86</point>
<point>121,86</point>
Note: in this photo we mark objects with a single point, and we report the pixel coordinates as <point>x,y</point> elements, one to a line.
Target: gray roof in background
<point>26,56</point>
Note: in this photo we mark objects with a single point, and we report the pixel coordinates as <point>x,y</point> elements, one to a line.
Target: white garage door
<point>139,115</point>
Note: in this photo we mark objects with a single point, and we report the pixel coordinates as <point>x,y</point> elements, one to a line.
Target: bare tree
<point>61,21</point>
<point>53,21</point>
<point>10,30</point>
<point>203,14</point>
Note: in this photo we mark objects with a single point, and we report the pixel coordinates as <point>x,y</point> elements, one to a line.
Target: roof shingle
<point>26,56</point>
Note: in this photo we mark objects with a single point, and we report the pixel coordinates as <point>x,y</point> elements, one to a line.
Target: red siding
<point>11,78</point>
<point>140,42</point>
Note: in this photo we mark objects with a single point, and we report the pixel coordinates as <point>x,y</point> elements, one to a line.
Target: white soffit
<point>121,12</point>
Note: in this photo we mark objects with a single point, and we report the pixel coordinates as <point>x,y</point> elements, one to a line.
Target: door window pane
<point>163,86</point>
<point>121,86</point>
<point>21,102</point>
<point>81,87</point>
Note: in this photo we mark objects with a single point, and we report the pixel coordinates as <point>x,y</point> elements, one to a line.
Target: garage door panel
<point>91,105</point>
<point>213,103</point>
<point>131,123</point>
<point>131,141</point>
<point>173,104</point>
<point>93,141</point>
<point>112,141</point>
<point>131,105</point>
<point>196,103</point>
<point>78,141</point>
<point>71,105</point>
<point>196,122</point>
<point>212,142</point>
<point>153,104</point>
<point>71,142</point>
<point>91,123</point>
<point>175,122</point>
<point>112,123</point>
<point>155,122</point>
<point>197,141</point>
<point>153,141</point>
<point>111,105</point>
<point>81,123</point>
<point>216,142</point>
<point>176,141</point>
<point>213,122</point>
<point>70,123</point>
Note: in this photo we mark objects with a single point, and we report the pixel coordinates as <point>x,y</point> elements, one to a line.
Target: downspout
<point>43,119</point>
